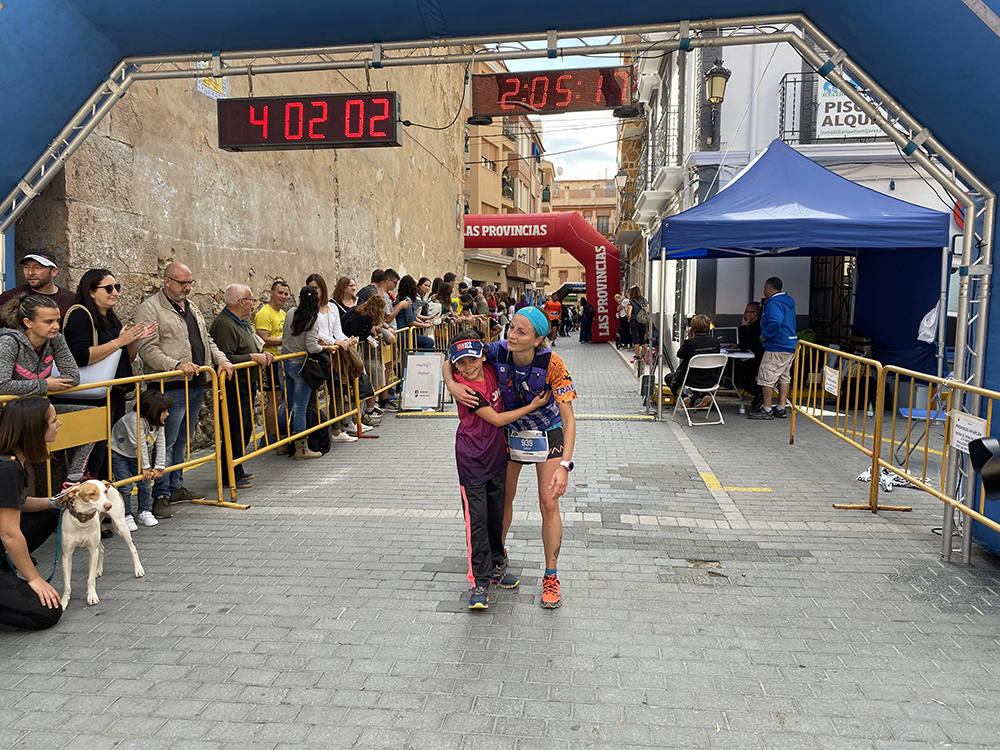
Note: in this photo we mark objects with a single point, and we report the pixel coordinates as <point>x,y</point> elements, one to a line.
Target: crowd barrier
<point>904,421</point>
<point>234,405</point>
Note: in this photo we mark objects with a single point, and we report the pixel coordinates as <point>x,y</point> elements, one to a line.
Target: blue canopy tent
<point>784,204</point>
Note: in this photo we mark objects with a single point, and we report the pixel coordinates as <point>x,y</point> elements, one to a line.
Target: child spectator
<point>699,341</point>
<point>481,458</point>
<point>127,447</point>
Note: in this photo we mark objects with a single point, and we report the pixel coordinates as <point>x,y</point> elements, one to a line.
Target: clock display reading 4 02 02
<point>551,92</point>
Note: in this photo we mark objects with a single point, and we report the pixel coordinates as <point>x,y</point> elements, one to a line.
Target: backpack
<point>642,315</point>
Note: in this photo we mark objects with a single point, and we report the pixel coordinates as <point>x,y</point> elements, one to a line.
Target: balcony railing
<point>660,149</point>
<point>812,110</point>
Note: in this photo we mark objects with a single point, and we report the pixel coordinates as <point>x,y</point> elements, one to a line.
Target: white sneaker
<point>146,518</point>
<point>352,429</point>
<point>343,437</point>
<point>130,523</point>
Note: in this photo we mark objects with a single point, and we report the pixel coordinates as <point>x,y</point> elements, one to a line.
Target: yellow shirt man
<point>270,320</point>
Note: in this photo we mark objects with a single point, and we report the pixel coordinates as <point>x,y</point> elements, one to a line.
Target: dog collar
<point>81,517</point>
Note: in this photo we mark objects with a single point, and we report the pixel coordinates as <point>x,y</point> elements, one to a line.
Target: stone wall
<point>151,186</point>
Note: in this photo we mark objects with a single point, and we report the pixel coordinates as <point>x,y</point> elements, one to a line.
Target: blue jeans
<point>123,467</point>
<point>424,343</point>
<point>299,393</point>
<point>176,441</point>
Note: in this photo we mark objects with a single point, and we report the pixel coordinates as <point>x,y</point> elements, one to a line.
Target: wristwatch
<point>568,465</point>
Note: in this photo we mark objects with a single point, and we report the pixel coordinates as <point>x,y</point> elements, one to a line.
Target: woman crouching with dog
<point>525,368</point>
<point>26,425</point>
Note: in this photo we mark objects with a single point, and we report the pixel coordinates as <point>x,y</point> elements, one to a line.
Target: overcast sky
<point>580,129</point>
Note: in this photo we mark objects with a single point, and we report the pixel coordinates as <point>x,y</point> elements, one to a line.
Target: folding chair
<point>702,362</point>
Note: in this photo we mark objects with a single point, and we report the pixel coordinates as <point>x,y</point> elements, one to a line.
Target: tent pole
<point>943,309</point>
<point>662,351</point>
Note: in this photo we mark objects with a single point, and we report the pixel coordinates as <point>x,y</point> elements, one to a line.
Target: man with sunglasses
<point>40,271</point>
<point>181,343</point>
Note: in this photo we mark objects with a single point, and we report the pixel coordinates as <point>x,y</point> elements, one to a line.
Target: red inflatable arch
<point>568,230</point>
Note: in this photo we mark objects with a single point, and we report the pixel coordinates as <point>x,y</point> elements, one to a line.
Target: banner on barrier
<point>831,381</point>
<point>422,380</point>
<point>964,429</point>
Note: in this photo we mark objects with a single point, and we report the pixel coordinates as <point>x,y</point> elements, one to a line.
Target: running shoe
<point>779,412</point>
<point>550,592</point>
<point>147,519</point>
<point>760,414</point>
<point>503,579</point>
<point>480,598</point>
<point>130,523</point>
<point>343,437</point>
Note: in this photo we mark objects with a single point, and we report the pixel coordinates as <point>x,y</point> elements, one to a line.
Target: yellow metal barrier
<point>339,395</point>
<point>84,425</point>
<point>942,396</point>
<point>856,415</point>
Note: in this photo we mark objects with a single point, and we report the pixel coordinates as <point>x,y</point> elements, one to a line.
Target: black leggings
<point>19,604</point>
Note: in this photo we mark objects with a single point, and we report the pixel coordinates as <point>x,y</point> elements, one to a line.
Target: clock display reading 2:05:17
<point>551,92</point>
<point>308,122</point>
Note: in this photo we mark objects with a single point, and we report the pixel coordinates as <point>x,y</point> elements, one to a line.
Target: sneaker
<point>130,523</point>
<point>343,437</point>
<point>184,495</point>
<point>353,428</point>
<point>550,592</point>
<point>480,598</point>
<point>243,483</point>
<point>503,579</point>
<point>377,409</point>
<point>779,412</point>
<point>371,419</point>
<point>147,519</point>
<point>390,405</point>
<point>161,507</point>
<point>760,414</point>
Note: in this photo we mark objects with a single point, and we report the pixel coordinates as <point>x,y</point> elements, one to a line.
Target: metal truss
<point>913,139</point>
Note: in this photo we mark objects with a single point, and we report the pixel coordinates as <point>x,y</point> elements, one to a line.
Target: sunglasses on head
<point>110,288</point>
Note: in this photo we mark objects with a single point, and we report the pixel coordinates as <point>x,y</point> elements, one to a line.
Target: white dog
<point>81,527</point>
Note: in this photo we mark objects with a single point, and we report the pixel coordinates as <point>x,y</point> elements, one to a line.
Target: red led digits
<point>384,104</point>
<point>626,88</point>
<point>539,82</point>
<point>560,89</point>
<point>262,121</point>
<point>360,107</point>
<point>314,121</point>
<point>293,119</point>
<point>504,103</point>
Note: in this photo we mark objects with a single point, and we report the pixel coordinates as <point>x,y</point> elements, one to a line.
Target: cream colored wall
<point>151,186</point>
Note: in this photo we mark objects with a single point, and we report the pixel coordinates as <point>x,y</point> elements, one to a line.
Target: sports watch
<point>568,465</point>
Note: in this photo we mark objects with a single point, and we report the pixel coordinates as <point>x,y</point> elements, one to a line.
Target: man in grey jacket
<point>181,343</point>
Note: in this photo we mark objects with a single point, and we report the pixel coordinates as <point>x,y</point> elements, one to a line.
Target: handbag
<point>97,372</point>
<point>315,369</point>
<point>354,361</point>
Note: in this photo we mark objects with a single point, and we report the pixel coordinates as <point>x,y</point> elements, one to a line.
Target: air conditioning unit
<point>648,82</point>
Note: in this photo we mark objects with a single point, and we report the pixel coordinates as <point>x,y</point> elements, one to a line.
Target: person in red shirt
<point>553,311</point>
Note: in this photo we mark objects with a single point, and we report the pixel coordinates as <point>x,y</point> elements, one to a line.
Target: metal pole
<point>663,323</point>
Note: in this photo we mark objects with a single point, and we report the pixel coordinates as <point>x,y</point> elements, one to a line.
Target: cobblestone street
<point>696,613</point>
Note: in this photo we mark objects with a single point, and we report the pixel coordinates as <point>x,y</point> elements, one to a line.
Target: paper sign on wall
<point>964,429</point>
<point>831,380</point>
<point>422,380</point>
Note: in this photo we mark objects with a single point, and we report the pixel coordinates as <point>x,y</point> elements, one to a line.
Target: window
<point>563,276</point>
<point>602,224</point>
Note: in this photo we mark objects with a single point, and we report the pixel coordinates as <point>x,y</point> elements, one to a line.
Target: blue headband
<point>537,319</point>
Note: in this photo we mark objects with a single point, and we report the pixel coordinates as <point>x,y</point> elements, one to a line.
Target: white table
<point>734,357</point>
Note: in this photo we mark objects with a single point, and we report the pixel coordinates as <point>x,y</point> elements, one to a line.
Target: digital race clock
<point>314,121</point>
<point>551,92</point>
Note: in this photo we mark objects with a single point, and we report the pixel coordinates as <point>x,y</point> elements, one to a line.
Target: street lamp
<point>715,83</point>
<point>621,182</point>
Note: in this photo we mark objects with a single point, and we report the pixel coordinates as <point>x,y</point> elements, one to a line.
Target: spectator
<point>586,319</point>
<point>40,271</point>
<point>465,307</point>
<point>27,356</point>
<point>699,341</point>
<point>423,296</point>
<point>93,318</point>
<point>439,312</point>
<point>232,332</point>
<point>777,334</point>
<point>480,305</point>
<point>301,334</point>
<point>181,342</point>
<point>346,300</point>
<point>269,322</point>
<point>366,322</point>
<point>26,425</point>
<point>130,440</point>
<point>638,319</point>
<point>492,299</point>
<point>522,302</point>
<point>367,291</point>
<point>331,333</point>
<point>388,283</point>
<point>553,311</point>
<point>749,341</point>
<point>408,316</point>
<point>624,334</point>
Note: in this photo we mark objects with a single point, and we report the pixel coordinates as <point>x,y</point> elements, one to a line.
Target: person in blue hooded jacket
<point>777,334</point>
